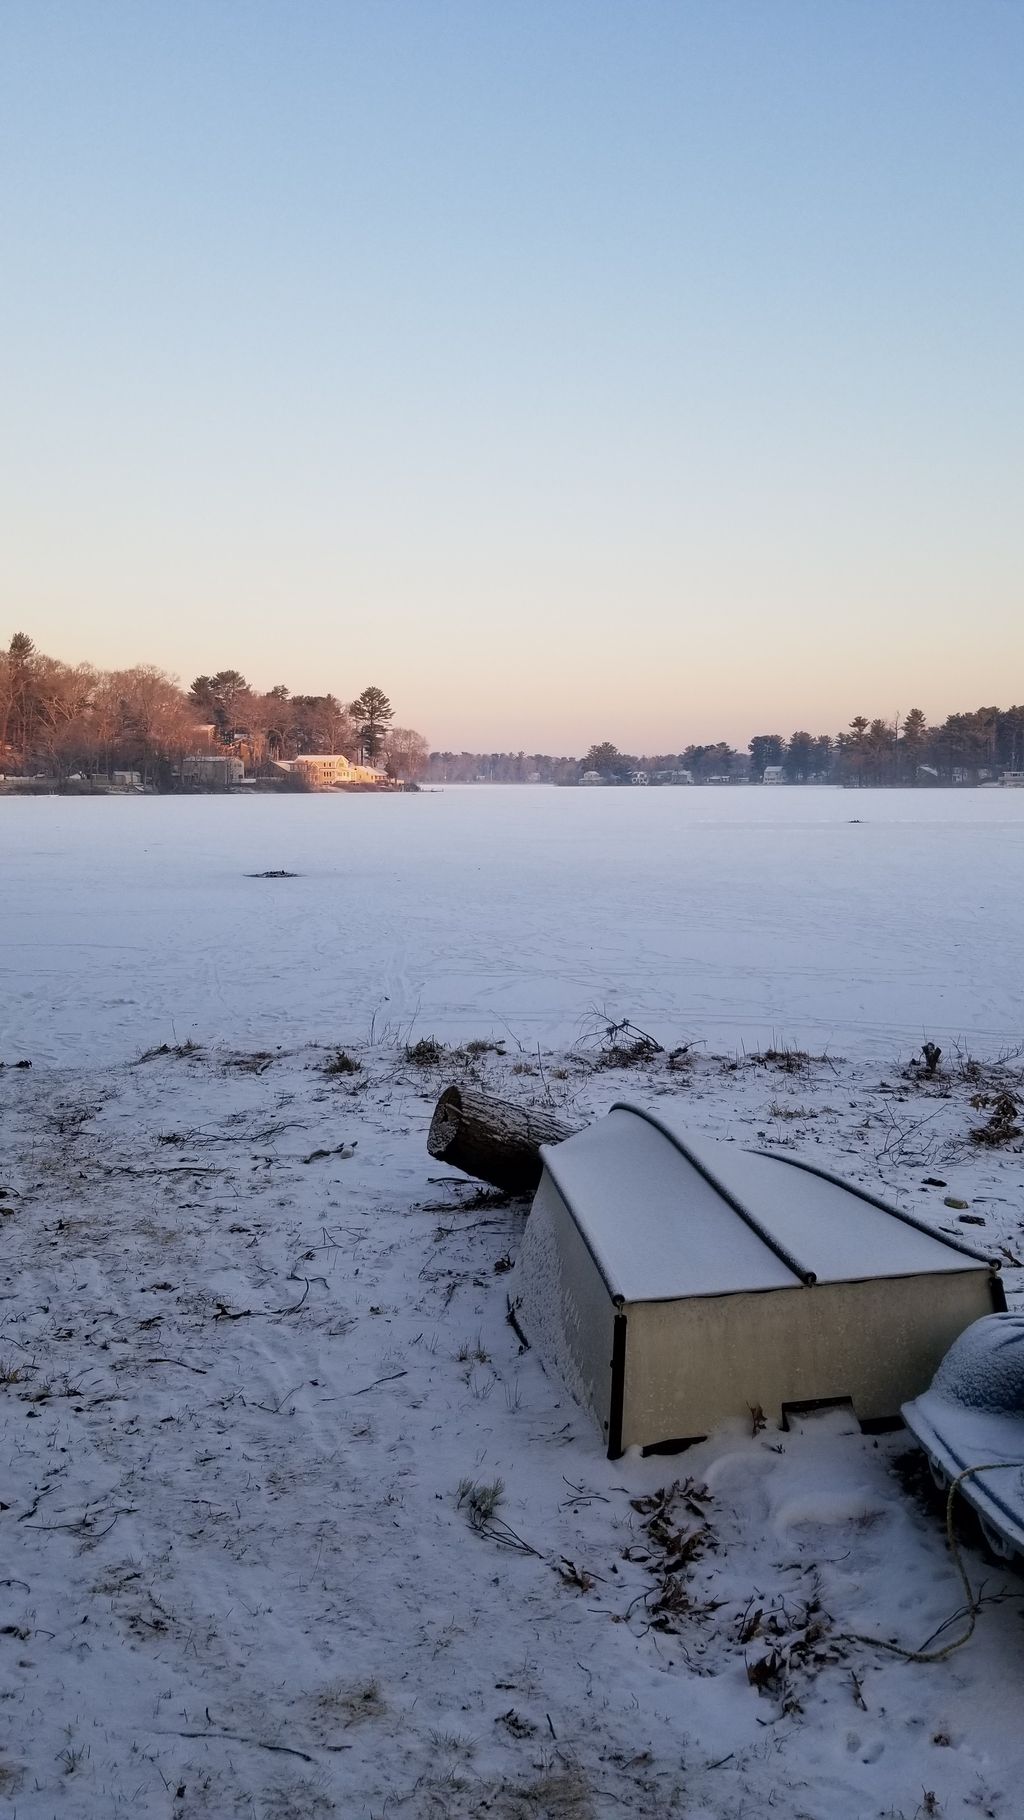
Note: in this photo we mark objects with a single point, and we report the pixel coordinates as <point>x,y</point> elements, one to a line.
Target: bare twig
<point>345,1151</point>
<point>83,1525</point>
<point>294,1309</point>
<point>513,1321</point>
<point>276,1408</point>
<point>287,1750</point>
<point>497,1530</point>
<point>388,1380</point>
<point>173,1169</point>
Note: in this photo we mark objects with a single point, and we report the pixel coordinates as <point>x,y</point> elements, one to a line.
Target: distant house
<point>592,777</point>
<point>1012,780</point>
<point>639,777</point>
<point>672,777</point>
<point>772,774</point>
<point>126,780</point>
<point>212,770</point>
<point>330,770</point>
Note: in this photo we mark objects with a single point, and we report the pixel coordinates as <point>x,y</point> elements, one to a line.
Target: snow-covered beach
<point>254,1345</point>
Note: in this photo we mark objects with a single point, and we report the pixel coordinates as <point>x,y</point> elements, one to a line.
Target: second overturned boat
<point>970,1423</point>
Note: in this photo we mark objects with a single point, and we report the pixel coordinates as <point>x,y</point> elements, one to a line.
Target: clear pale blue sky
<point>573,370</point>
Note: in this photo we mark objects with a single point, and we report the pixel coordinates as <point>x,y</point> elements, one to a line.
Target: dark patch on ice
<point>273,875</point>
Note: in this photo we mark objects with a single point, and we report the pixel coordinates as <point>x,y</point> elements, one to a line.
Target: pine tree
<point>372,711</point>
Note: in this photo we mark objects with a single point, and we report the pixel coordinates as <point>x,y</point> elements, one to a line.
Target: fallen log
<point>494,1140</point>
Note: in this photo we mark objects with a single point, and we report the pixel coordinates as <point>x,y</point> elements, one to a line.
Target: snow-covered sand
<point>254,1353</point>
<point>243,1382</point>
<point>864,919</point>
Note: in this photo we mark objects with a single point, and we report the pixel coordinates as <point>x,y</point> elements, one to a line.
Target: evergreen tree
<point>912,745</point>
<point>765,749</point>
<point>371,712</point>
<point>799,758</point>
<point>607,759</point>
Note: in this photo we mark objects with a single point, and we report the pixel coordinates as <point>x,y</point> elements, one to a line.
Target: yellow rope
<point>973,1604</point>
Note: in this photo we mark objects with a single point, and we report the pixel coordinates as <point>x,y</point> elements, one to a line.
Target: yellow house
<point>329,770</point>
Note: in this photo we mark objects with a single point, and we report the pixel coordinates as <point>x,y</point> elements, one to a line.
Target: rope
<point>973,1602</point>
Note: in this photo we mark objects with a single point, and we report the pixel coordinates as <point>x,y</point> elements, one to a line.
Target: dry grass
<point>559,1794</point>
<point>479,1500</point>
<point>430,1053</point>
<point>473,1349</point>
<point>352,1703</point>
<point>1001,1126</point>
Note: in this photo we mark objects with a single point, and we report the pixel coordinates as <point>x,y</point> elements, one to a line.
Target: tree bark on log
<point>495,1140</point>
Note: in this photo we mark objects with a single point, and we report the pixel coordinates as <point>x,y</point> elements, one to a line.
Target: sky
<point>647,370</point>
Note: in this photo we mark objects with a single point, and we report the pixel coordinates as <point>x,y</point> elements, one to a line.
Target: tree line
<point>966,748</point>
<point>59,720</point>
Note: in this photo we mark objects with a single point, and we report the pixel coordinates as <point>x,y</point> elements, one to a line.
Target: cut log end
<point>494,1140</point>
<point>445,1122</point>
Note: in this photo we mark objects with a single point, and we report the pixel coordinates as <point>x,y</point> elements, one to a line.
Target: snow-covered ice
<point>862,919</point>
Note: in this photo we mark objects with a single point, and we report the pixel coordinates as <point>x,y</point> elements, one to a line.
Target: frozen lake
<point>733,915</point>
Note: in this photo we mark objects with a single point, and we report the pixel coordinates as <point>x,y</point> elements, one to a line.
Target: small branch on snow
<point>174,1169</point>
<point>388,1380</point>
<point>294,1309</point>
<point>27,1515</point>
<point>287,1750</point>
<point>83,1525</point>
<point>345,1151</point>
<point>513,1321</point>
<point>497,1530</point>
<point>277,1407</point>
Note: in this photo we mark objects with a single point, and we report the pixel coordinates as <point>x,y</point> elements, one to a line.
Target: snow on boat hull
<point>676,1284</point>
<point>972,1417</point>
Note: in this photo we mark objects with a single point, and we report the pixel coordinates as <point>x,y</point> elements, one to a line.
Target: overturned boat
<point>677,1283</point>
<point>970,1423</point>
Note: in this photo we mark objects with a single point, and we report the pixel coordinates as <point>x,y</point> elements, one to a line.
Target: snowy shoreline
<point>253,1344</point>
